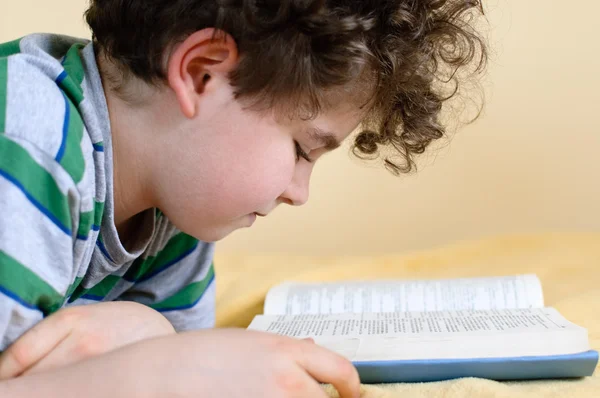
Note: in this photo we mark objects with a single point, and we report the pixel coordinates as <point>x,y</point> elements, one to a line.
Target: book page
<point>442,334</point>
<point>520,291</point>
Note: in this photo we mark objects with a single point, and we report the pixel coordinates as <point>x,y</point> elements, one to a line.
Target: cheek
<point>228,167</point>
<point>260,172</point>
<point>226,189</point>
<point>244,169</point>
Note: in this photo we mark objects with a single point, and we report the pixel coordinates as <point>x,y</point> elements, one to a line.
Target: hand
<point>76,333</point>
<point>234,363</point>
<point>213,363</point>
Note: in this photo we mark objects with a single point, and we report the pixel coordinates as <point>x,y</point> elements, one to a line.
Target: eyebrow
<point>324,138</point>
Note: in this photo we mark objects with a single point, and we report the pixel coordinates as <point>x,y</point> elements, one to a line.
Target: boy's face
<point>222,165</point>
<point>229,164</point>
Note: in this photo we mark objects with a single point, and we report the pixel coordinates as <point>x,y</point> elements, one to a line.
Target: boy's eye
<point>300,153</point>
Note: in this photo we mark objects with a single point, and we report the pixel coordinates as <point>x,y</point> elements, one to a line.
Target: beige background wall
<point>531,163</point>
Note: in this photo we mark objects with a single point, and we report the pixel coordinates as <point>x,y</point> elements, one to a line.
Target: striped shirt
<point>58,241</point>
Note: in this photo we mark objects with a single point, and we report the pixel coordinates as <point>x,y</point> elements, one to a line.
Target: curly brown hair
<point>294,52</point>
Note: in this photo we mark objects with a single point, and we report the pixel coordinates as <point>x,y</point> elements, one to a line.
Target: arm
<point>37,227</point>
<point>40,230</point>
<point>198,364</point>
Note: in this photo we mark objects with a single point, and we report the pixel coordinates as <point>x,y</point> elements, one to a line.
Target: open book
<point>415,330</point>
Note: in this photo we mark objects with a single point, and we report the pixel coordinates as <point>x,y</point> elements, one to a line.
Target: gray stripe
<point>96,118</point>
<point>31,246</point>
<point>14,320</point>
<point>29,94</point>
<point>43,53</point>
<point>44,159</point>
<point>202,315</point>
<point>87,183</point>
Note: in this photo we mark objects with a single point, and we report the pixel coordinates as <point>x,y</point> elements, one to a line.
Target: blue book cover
<point>517,368</point>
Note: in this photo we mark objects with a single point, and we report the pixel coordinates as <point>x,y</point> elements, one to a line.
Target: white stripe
<point>31,238</point>
<point>44,51</point>
<point>62,178</point>
<point>87,183</point>
<point>35,107</point>
<point>15,320</point>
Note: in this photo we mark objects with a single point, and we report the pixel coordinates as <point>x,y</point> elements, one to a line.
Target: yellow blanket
<point>567,264</point>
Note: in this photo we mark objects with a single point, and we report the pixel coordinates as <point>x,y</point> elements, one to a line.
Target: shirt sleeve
<point>38,212</point>
<point>179,283</point>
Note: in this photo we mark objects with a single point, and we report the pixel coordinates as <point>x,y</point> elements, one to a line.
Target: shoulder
<point>34,103</point>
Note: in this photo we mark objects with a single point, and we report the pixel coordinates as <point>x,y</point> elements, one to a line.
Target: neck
<point>133,125</point>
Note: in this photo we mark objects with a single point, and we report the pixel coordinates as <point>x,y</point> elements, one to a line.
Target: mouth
<point>260,214</point>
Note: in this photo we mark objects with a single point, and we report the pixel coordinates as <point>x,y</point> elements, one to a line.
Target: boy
<point>122,161</point>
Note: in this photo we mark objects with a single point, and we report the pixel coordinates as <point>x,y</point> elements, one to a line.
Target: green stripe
<point>101,289</point>
<point>71,289</point>
<point>85,223</point>
<point>87,219</point>
<point>10,48</point>
<point>73,286</point>
<point>3,92</point>
<point>73,160</point>
<point>75,73</point>
<point>18,280</point>
<point>175,248</point>
<point>6,49</point>
<point>188,296</point>
<point>98,212</point>
<point>36,181</point>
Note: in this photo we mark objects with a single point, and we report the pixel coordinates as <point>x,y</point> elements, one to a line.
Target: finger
<point>304,386</point>
<point>33,346</point>
<point>329,367</point>
<point>68,351</point>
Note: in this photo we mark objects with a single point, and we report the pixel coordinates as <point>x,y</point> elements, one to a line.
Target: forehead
<point>332,125</point>
<point>337,118</point>
<point>335,111</point>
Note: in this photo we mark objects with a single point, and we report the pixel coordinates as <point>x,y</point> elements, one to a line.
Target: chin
<point>212,234</point>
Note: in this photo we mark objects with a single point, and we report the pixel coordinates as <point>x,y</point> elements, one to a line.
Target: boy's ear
<point>196,62</point>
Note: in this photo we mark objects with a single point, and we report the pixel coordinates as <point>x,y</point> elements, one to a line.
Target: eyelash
<point>301,154</point>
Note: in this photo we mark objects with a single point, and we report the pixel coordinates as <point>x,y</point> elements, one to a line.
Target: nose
<point>296,194</point>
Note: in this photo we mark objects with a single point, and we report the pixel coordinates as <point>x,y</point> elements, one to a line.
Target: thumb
<point>33,346</point>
